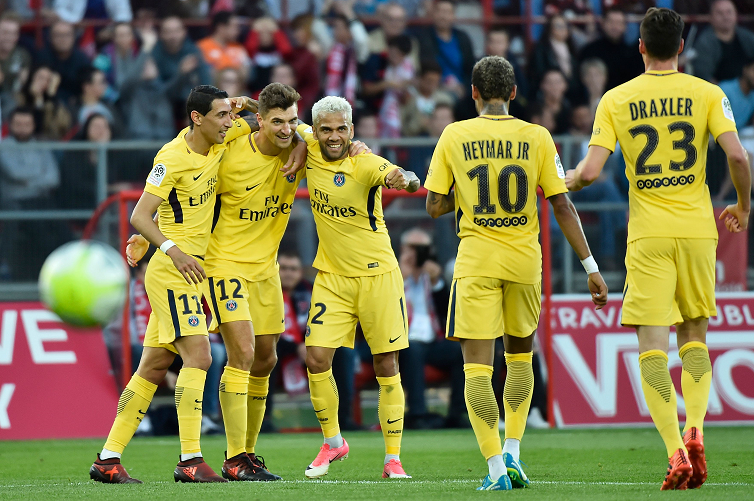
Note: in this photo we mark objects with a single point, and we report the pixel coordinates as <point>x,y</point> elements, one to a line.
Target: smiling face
<point>279,125</point>
<point>216,123</point>
<point>334,133</point>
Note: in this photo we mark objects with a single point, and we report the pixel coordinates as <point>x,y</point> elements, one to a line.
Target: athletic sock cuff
<point>191,377</point>
<point>518,357</point>
<point>141,387</point>
<point>321,376</point>
<point>234,380</point>
<point>389,381</point>
<point>258,386</point>
<point>653,353</point>
<point>476,370</point>
<point>691,345</point>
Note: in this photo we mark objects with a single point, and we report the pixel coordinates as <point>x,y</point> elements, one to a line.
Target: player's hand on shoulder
<point>135,250</point>
<point>189,267</point>
<point>296,159</point>
<point>397,179</point>
<point>241,103</point>
<point>570,180</point>
<point>598,289</point>
<point>736,218</point>
<point>357,148</point>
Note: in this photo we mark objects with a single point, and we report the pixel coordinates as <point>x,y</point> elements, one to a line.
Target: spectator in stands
<point>93,87</point>
<point>419,157</point>
<point>327,36</point>
<point>449,46</point>
<point>304,62</point>
<point>73,11</point>
<point>740,92</point>
<point>540,115</point>
<point>376,7</point>
<point>497,43</point>
<point>341,79</point>
<point>231,81</point>
<point>397,79</point>
<point>393,22</point>
<point>722,48</point>
<point>14,60</point>
<point>65,59</point>
<point>267,45</point>
<point>554,51</point>
<point>283,73</point>
<point>366,127</point>
<point>442,116</point>
<point>176,55</point>
<point>623,61</point>
<point>427,306</point>
<point>52,118</point>
<point>594,78</point>
<point>116,58</point>
<point>28,178</point>
<point>552,96</point>
<point>423,98</point>
<point>221,49</point>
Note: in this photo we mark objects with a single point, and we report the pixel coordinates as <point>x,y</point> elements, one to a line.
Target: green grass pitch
<point>572,464</point>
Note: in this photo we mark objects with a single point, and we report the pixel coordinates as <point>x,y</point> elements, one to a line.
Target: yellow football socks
<point>256,404</point>
<point>234,385</point>
<point>696,378</point>
<point>132,407</point>
<point>659,394</point>
<point>324,395</point>
<point>390,410</point>
<point>189,393</point>
<point>517,392</point>
<point>482,407</point>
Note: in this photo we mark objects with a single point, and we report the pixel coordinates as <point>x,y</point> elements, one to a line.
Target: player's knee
<point>265,362</point>
<point>198,361</point>
<point>386,364</point>
<point>316,364</point>
<point>241,357</point>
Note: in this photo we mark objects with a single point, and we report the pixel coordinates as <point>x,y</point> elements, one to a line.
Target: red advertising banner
<point>55,380</point>
<point>730,265</point>
<point>596,379</point>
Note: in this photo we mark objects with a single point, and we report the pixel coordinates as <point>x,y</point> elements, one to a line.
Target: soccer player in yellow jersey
<point>496,163</point>
<point>662,120</point>
<point>181,188</point>
<point>358,279</point>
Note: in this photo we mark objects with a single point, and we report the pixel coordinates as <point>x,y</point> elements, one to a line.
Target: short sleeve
<point>720,117</point>
<point>603,133</point>
<point>162,177</point>
<point>439,175</point>
<point>240,128</point>
<point>306,132</point>
<point>551,173</point>
<point>372,169</point>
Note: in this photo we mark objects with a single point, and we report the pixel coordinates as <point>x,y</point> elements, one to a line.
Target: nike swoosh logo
<point>251,188</point>
<point>393,421</point>
<point>321,410</point>
<point>197,401</point>
<point>142,412</point>
<point>309,167</point>
<point>394,340</point>
<point>197,177</point>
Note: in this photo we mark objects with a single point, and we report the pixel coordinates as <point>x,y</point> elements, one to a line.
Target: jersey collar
<point>497,117</point>
<point>661,73</point>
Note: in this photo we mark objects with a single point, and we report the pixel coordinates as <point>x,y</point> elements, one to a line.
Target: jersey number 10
<point>653,139</point>
<point>482,174</point>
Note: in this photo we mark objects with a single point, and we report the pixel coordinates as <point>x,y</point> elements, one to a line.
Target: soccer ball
<point>84,283</point>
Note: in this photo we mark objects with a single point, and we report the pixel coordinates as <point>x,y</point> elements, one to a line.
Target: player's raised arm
<point>570,224</point>
<point>588,170</point>
<point>736,216</point>
<point>438,204</point>
<point>141,219</point>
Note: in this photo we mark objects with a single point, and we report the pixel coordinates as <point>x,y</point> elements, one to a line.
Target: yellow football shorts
<point>234,298</point>
<point>485,308</point>
<point>669,280</point>
<point>339,303</point>
<point>176,305</point>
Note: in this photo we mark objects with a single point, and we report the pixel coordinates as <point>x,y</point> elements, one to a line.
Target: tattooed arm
<point>438,204</point>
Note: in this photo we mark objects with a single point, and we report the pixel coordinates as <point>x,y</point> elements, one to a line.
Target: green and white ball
<point>84,283</point>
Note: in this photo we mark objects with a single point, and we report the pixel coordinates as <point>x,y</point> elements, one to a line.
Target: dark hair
<point>21,110</point>
<point>494,78</point>
<point>277,95</point>
<point>451,2</point>
<point>613,10</point>
<point>498,29</point>
<point>222,17</point>
<point>400,42</point>
<point>448,106</point>
<point>661,31</point>
<point>84,132</point>
<point>339,17</point>
<point>201,98</point>
<point>289,253</point>
<point>87,75</point>
<point>429,66</point>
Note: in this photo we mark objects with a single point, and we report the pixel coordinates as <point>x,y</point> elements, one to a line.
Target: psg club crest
<point>339,179</point>
<point>193,320</point>
<point>308,331</point>
<point>231,305</point>
<point>290,178</point>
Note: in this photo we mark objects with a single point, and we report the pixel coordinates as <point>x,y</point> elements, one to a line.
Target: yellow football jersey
<point>253,208</point>
<point>662,120</point>
<point>346,200</point>
<point>186,182</point>
<point>496,164</point>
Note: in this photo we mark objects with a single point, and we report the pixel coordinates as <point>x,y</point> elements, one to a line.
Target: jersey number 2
<point>653,140</point>
<point>482,174</point>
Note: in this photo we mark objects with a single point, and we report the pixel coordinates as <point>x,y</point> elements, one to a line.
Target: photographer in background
<point>427,306</point>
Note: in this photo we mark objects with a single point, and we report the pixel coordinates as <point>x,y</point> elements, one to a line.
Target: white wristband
<point>590,265</point>
<point>167,244</point>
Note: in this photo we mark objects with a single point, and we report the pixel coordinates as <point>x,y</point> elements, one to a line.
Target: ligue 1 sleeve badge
<point>339,179</point>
